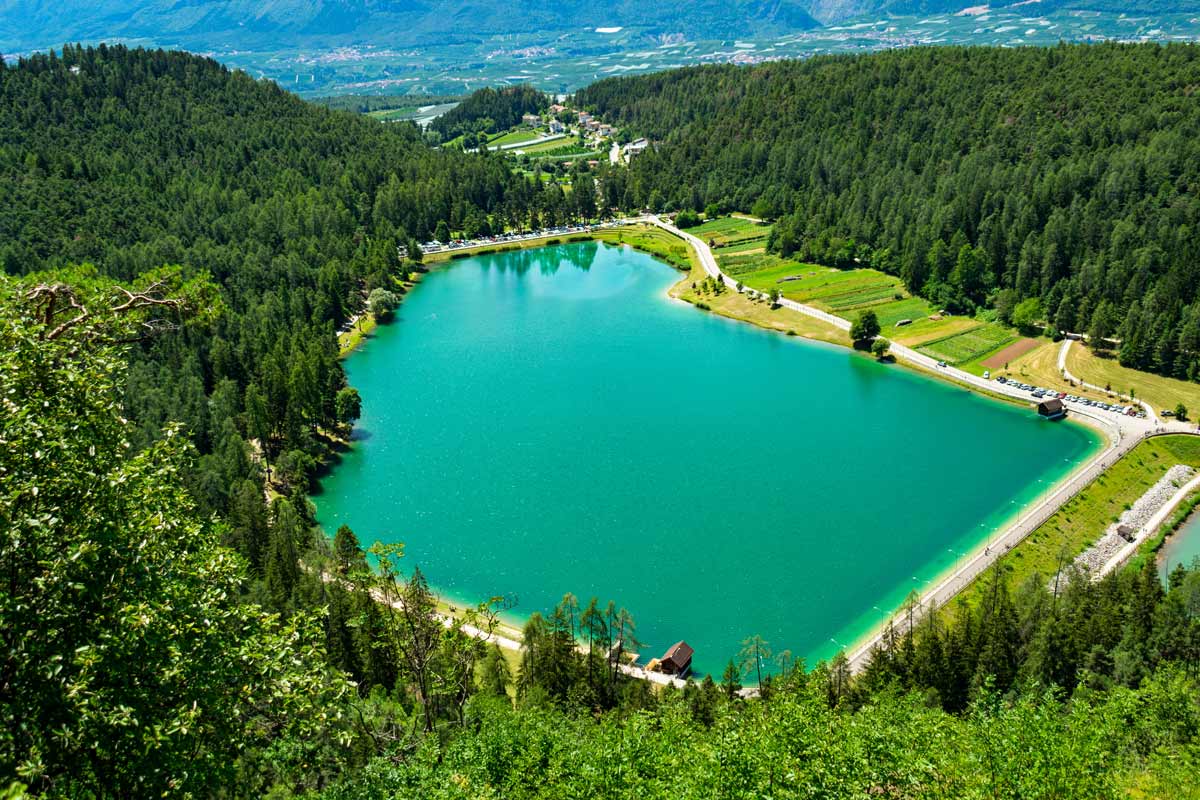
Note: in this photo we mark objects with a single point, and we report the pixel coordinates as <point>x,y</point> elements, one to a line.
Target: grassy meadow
<point>1158,391</point>
<point>1080,522</point>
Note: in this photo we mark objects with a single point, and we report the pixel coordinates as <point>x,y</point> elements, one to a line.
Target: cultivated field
<point>732,233</point>
<point>562,147</point>
<point>1010,353</point>
<point>739,246</point>
<point>969,345</point>
<point>513,137</point>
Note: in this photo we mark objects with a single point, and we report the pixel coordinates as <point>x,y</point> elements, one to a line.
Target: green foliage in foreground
<point>139,659</point>
<point>795,745</point>
<point>130,665</point>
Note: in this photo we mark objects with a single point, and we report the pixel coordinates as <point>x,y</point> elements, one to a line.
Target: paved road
<point>1062,368</point>
<point>1123,434</point>
<point>1108,420</point>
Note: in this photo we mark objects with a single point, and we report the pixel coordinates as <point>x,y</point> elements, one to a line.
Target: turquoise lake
<point>548,421</point>
<point>1182,546</point>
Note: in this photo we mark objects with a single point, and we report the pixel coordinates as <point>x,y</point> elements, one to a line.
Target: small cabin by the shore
<point>1052,408</point>
<point>677,660</point>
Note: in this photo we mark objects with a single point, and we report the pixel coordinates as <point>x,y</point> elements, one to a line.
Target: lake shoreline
<point>786,323</point>
<point>512,617</point>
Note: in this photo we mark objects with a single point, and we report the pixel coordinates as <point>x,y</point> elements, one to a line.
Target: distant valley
<point>381,47</point>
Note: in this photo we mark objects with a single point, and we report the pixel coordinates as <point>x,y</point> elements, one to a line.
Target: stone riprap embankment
<point>1125,529</point>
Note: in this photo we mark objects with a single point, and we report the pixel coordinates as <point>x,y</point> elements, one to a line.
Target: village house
<point>635,147</point>
<point>677,660</point>
<point>556,126</point>
<point>557,108</point>
<point>1052,408</point>
<point>530,119</point>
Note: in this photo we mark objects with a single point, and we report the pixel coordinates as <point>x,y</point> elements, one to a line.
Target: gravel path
<point>1134,521</point>
<point>1062,367</point>
<point>1123,434</point>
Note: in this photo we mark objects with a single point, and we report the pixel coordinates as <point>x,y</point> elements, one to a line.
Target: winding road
<point>1123,434</point>
<point>1062,368</point>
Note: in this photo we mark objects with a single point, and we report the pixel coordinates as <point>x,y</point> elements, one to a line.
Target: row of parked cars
<point>1039,392</point>
<point>458,244</point>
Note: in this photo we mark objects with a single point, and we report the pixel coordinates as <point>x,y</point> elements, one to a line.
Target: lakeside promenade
<point>1121,432</point>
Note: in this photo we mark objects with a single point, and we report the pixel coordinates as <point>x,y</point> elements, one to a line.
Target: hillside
<point>490,110</point>
<point>179,245</point>
<point>981,177</point>
<point>286,24</point>
<point>129,160</point>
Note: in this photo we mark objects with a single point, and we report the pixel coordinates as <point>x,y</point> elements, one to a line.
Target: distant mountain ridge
<point>34,24</point>
<point>279,24</point>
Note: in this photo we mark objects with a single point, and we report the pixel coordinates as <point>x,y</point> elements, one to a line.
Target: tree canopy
<point>1064,174</point>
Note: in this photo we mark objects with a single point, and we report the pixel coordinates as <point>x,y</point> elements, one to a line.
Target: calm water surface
<point>549,421</point>
<point>1182,546</point>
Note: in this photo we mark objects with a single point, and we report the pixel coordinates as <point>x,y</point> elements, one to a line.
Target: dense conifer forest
<point>179,245</point>
<point>978,175</point>
<point>490,110</point>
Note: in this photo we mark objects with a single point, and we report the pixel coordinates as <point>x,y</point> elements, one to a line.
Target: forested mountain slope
<point>490,110</point>
<point>179,243</point>
<point>1068,174</point>
<point>131,160</point>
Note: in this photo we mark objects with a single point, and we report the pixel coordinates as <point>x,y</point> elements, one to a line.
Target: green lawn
<point>513,137</point>
<point>841,289</point>
<point>737,264</point>
<point>914,308</point>
<point>667,246</point>
<point>1160,392</point>
<point>390,114</point>
<point>1082,521</point>
<point>559,147</point>
<point>969,345</point>
<point>763,272</point>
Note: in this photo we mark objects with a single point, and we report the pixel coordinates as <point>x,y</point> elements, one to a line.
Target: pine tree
<point>347,552</point>
<point>282,567</point>
<point>731,680</point>
<point>999,641</point>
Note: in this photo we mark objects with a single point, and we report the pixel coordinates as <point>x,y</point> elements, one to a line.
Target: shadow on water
<point>547,259</point>
<point>336,454</point>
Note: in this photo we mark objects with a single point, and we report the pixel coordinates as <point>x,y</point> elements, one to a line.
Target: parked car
<point>1001,379</point>
<point>987,376</point>
<point>1166,412</point>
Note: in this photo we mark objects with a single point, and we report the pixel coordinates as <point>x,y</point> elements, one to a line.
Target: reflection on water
<point>547,421</point>
<point>1182,546</point>
<point>519,261</point>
